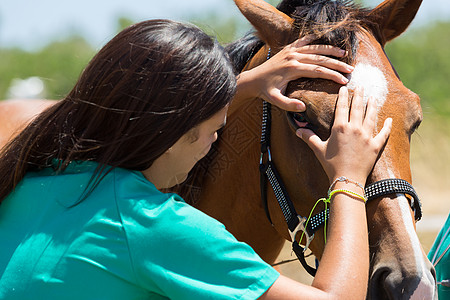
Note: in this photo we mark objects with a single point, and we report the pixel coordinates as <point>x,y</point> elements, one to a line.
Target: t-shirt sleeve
<point>181,253</point>
<point>443,266</point>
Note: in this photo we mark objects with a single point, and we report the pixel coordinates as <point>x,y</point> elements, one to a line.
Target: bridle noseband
<point>298,224</point>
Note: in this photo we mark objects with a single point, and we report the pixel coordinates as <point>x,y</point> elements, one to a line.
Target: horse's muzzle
<point>388,282</point>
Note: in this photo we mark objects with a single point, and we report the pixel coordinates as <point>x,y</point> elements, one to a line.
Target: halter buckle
<point>301,228</point>
<point>269,155</point>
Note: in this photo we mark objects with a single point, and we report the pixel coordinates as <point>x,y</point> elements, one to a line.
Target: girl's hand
<point>269,80</point>
<point>351,149</point>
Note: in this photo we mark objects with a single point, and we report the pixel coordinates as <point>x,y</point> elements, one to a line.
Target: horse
<point>226,184</point>
<point>16,113</point>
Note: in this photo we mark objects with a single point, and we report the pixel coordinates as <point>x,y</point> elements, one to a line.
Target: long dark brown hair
<point>146,88</point>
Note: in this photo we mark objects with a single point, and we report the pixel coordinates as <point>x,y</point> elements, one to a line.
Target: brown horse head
<point>399,267</point>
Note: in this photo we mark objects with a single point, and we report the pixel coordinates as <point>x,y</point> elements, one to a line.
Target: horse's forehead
<point>372,79</point>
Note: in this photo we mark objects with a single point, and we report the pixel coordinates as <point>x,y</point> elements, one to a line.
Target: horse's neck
<point>230,192</point>
<point>17,113</point>
<point>235,158</point>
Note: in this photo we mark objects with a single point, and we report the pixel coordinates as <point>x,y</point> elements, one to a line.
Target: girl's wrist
<point>247,85</point>
<point>349,182</point>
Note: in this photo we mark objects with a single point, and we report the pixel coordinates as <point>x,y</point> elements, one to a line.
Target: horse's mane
<point>243,49</point>
<point>333,22</point>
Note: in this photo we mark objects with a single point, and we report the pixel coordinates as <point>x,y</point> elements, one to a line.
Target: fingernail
<point>299,133</point>
<point>342,52</point>
<point>350,68</point>
<point>344,80</point>
<point>300,107</point>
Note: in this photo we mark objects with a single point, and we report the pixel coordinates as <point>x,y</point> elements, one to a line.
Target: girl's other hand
<point>296,60</point>
<point>351,150</point>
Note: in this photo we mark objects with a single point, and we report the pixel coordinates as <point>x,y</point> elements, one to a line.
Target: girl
<point>82,216</point>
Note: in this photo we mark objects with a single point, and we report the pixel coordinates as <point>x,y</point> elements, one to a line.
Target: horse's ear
<point>273,26</point>
<point>392,17</point>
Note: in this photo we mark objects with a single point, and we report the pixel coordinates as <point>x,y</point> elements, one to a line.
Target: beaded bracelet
<point>331,194</point>
<point>346,180</point>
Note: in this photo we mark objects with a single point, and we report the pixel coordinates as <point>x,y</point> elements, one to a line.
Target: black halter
<point>295,222</point>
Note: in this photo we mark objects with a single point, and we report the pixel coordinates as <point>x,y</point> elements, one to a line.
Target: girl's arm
<point>350,151</point>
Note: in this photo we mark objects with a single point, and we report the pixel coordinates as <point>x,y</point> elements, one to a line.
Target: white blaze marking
<point>372,80</point>
<point>425,287</point>
<point>426,284</point>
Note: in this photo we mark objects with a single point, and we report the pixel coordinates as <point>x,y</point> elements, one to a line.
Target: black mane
<point>243,49</point>
<point>333,22</point>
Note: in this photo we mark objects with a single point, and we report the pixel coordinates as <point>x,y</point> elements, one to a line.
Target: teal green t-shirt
<point>443,260</point>
<point>126,240</point>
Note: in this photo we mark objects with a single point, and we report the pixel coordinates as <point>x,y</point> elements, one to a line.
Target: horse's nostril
<point>385,283</point>
<point>433,272</point>
<point>377,284</point>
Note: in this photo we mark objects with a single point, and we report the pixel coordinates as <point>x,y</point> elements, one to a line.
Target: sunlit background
<point>45,44</point>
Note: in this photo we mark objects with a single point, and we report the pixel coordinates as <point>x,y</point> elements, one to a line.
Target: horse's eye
<point>414,127</point>
<point>300,117</point>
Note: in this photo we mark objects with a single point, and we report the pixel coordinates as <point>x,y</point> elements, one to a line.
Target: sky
<point>31,24</point>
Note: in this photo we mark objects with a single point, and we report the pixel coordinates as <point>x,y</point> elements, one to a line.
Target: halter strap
<point>294,221</point>
<point>395,186</point>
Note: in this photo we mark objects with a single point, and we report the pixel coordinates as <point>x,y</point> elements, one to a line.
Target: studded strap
<point>394,186</point>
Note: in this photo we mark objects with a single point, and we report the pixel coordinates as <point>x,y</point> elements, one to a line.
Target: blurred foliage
<point>421,57</point>
<point>59,65</point>
<point>227,29</point>
<point>124,22</point>
<point>224,30</point>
